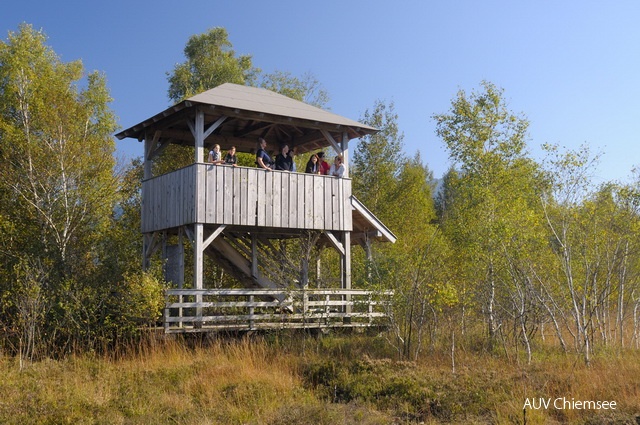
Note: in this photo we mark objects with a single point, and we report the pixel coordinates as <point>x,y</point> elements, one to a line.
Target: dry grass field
<point>294,379</point>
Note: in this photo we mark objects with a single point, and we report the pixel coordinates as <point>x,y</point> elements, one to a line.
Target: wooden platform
<point>255,309</point>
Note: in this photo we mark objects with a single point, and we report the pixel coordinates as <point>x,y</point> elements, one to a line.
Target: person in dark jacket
<point>231,158</point>
<point>283,161</point>
<point>263,160</point>
<point>313,165</point>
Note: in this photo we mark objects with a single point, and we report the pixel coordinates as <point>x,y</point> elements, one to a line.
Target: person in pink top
<point>324,165</point>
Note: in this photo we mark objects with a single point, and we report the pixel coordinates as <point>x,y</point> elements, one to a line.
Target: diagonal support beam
<point>208,131</point>
<point>189,233</point>
<point>213,235</point>
<point>192,127</point>
<point>335,242</point>
<point>331,140</point>
<point>150,154</point>
<point>161,147</point>
<point>213,126</point>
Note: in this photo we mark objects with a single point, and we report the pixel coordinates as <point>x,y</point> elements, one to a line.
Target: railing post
<point>305,305</point>
<point>166,319</point>
<point>327,308</point>
<point>251,312</point>
<point>305,300</point>
<point>180,300</point>
<point>370,307</point>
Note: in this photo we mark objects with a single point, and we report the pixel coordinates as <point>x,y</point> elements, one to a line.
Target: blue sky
<point>572,68</point>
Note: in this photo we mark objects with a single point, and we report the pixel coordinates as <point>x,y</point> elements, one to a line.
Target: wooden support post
<point>346,237</point>
<point>181,245</point>
<point>254,256</point>
<point>370,308</point>
<point>327,309</point>
<point>345,153</point>
<point>147,240</point>
<point>369,255</point>
<point>251,312</point>
<point>199,137</point>
<point>150,142</point>
<point>198,244</point>
<point>318,272</point>
<point>198,231</point>
<point>346,271</point>
<point>147,174</point>
<point>346,260</point>
<point>198,266</point>
<point>181,281</point>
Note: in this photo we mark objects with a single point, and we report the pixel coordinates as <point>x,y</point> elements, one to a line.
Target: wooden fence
<point>252,309</point>
<point>216,194</point>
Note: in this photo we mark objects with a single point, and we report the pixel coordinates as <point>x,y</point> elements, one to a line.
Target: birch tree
<point>487,143</point>
<point>399,191</point>
<point>56,180</point>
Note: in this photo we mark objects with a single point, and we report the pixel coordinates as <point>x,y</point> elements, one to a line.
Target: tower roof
<point>250,113</point>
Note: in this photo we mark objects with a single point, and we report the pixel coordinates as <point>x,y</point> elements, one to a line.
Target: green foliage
<point>480,131</point>
<point>137,300</point>
<point>399,191</point>
<point>57,151</point>
<point>368,381</point>
<point>377,161</point>
<point>486,207</point>
<point>66,246</point>
<point>211,61</point>
<point>121,246</point>
<point>306,89</point>
<point>593,233</point>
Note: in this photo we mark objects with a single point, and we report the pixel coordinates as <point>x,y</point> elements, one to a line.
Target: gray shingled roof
<point>265,101</point>
<point>251,112</point>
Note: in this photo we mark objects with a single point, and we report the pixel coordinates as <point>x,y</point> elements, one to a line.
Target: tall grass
<point>291,379</point>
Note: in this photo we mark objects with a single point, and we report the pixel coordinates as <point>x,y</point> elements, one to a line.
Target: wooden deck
<point>258,309</point>
<point>216,194</point>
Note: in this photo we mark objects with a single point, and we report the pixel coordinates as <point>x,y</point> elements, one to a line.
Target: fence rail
<point>192,310</point>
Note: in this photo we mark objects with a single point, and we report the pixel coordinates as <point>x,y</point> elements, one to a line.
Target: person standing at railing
<point>283,161</point>
<point>324,165</point>
<point>337,168</point>
<point>313,165</point>
<point>215,156</point>
<point>263,160</point>
<point>292,154</point>
<point>231,158</point>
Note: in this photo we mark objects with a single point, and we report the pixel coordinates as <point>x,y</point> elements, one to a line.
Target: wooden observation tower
<point>236,215</point>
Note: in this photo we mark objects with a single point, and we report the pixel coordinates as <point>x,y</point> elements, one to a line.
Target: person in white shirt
<point>214,155</point>
<point>337,168</point>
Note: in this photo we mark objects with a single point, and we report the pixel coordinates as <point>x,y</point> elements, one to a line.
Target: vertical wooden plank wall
<point>168,200</point>
<point>246,197</point>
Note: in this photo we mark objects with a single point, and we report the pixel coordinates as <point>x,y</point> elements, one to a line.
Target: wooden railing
<point>210,194</point>
<point>252,309</point>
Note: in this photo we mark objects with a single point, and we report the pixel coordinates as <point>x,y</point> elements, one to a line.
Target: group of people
<point>215,157</point>
<point>283,161</point>
<point>317,165</point>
